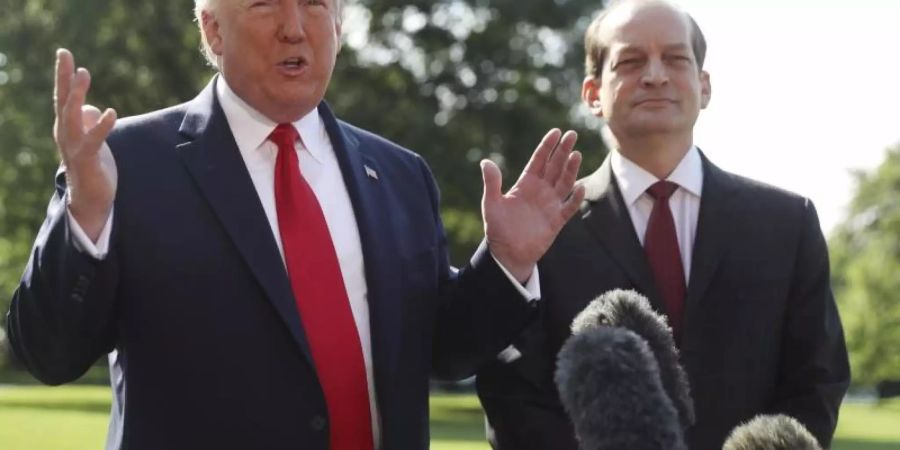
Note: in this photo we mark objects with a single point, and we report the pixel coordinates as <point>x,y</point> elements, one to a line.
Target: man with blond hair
<point>262,274</point>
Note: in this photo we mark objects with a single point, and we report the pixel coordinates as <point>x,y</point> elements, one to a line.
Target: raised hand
<point>80,132</point>
<point>521,225</point>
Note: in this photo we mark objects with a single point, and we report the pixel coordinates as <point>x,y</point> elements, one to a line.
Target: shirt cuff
<point>97,250</point>
<point>532,288</point>
<point>509,354</point>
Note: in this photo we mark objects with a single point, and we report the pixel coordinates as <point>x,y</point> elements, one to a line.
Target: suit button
<point>77,298</point>
<point>317,423</point>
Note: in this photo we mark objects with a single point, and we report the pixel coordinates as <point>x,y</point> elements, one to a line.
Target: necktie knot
<point>662,190</point>
<point>284,135</point>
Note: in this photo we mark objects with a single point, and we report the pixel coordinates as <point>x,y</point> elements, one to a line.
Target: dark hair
<point>596,50</point>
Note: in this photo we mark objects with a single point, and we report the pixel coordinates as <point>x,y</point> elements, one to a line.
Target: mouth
<point>654,101</point>
<point>293,66</point>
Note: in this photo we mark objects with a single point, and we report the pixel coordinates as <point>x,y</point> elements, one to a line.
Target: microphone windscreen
<point>631,310</point>
<point>609,384</point>
<point>777,432</point>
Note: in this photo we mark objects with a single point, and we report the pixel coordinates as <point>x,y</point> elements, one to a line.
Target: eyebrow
<point>676,47</point>
<point>669,47</point>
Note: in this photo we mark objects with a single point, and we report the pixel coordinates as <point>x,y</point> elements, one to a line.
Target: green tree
<point>454,80</point>
<point>865,265</point>
<point>142,55</point>
<point>458,81</point>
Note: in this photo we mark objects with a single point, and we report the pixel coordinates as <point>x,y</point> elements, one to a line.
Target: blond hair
<point>201,6</point>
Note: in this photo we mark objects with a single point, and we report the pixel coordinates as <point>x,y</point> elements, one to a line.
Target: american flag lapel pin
<point>371,172</point>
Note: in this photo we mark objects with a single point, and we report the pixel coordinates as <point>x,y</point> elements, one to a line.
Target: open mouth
<point>293,64</point>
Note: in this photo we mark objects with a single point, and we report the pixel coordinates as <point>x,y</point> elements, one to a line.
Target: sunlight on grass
<point>75,418</point>
<point>878,423</point>
<point>42,418</point>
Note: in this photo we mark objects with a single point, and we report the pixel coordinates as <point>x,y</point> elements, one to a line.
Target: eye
<point>262,4</point>
<point>627,62</point>
<point>678,58</point>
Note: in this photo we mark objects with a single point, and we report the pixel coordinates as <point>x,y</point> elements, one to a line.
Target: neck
<point>657,154</point>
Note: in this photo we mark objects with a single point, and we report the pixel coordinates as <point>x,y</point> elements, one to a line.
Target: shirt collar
<point>634,180</point>
<point>251,129</point>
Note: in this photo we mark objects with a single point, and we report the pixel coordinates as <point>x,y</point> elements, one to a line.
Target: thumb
<point>493,181</point>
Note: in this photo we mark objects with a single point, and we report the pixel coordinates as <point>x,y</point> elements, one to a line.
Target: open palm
<point>521,225</point>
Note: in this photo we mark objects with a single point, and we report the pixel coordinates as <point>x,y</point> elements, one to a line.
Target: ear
<point>590,94</point>
<point>210,27</point>
<point>705,89</point>
<point>338,34</point>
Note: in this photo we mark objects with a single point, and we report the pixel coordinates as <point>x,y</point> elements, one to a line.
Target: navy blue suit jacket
<point>195,301</point>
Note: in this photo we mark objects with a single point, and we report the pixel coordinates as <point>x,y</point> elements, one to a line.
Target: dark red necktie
<point>322,301</point>
<point>661,247</point>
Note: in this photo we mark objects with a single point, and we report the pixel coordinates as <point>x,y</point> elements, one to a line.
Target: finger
<point>90,117</point>
<point>96,135</point>
<point>71,127</point>
<point>564,185</point>
<point>538,161</point>
<point>65,65</point>
<point>573,203</point>
<point>557,161</point>
<point>493,181</point>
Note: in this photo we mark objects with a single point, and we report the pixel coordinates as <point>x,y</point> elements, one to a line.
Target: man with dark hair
<point>739,268</point>
<point>262,274</point>
<point>596,48</point>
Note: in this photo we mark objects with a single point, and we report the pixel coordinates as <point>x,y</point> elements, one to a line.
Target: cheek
<point>620,93</point>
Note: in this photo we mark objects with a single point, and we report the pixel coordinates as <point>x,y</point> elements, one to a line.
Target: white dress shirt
<point>634,181</point>
<point>319,166</point>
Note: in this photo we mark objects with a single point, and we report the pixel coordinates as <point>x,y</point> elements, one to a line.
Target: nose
<point>290,22</point>
<point>655,73</point>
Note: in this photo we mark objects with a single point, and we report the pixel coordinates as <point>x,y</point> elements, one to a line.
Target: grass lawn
<point>75,418</point>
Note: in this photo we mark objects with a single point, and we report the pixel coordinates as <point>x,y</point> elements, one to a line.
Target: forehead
<point>336,3</point>
<point>645,26</point>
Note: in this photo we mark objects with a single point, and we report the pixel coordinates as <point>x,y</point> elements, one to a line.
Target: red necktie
<point>322,301</point>
<point>661,247</point>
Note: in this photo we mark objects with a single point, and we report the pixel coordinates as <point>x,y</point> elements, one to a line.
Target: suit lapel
<point>372,208</point>
<point>713,231</point>
<point>214,161</point>
<point>604,213</point>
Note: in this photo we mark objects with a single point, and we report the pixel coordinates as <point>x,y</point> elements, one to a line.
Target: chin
<point>299,104</point>
<point>652,129</point>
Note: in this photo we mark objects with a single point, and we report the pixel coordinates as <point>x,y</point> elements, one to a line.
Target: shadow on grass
<point>81,406</point>
<point>463,410</point>
<point>852,444</point>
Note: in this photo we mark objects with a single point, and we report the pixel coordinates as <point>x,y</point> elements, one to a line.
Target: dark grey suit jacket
<point>761,332</point>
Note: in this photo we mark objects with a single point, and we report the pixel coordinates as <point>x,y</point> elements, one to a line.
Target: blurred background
<point>805,96</point>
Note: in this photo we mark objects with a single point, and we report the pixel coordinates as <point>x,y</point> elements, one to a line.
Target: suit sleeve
<point>60,318</point>
<point>479,309</point>
<point>815,372</point>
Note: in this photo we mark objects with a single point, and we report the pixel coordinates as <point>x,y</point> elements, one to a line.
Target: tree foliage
<point>454,80</point>
<point>866,272</point>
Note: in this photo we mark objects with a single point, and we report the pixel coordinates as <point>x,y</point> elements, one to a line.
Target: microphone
<point>631,310</point>
<point>610,386</point>
<point>777,432</point>
<point>621,384</point>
